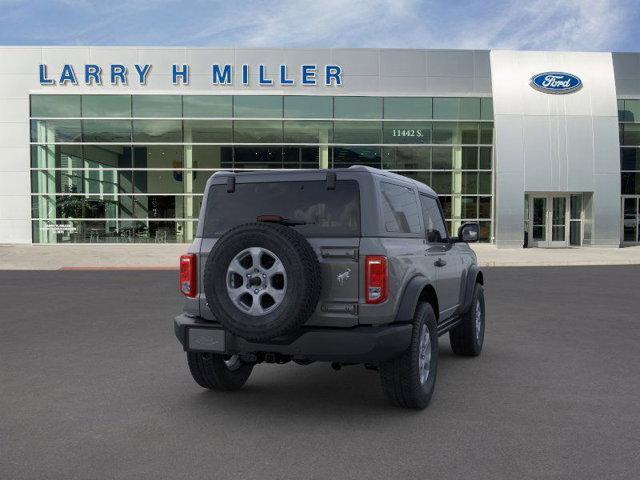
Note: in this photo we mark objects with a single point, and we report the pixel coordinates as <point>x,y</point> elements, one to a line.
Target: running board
<point>448,324</point>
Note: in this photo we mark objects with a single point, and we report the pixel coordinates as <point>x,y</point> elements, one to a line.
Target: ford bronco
<point>348,266</point>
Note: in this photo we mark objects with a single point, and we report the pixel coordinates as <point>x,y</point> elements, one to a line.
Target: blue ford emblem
<point>556,82</point>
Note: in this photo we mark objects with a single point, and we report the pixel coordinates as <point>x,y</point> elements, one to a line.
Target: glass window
<point>576,207</point>
<point>257,131</point>
<point>486,133</point>
<point>207,131</point>
<point>298,131</point>
<point>410,158</point>
<point>441,182</point>
<point>346,156</point>
<point>469,158</point>
<point>630,183</point>
<point>470,207</point>
<point>485,182</point>
<point>159,181</point>
<point>211,156</point>
<point>485,158</point>
<point>324,212</point>
<point>399,208</point>
<point>469,133</point>
<point>408,107</point>
<point>446,108</point>
<point>445,201</point>
<point>302,157</point>
<point>470,182</point>
<point>107,156</point>
<point>46,131</point>
<point>257,106</point>
<point>484,207</point>
<point>486,108</point>
<point>105,106</point>
<point>358,107</point>
<point>199,180</point>
<point>629,159</point>
<point>297,106</point>
<point>159,206</point>
<point>157,131</point>
<point>210,106</point>
<point>631,135</point>
<point>257,157</point>
<point>632,110</point>
<point>407,132</point>
<point>357,132</point>
<point>157,106</point>
<point>436,231</point>
<point>108,181</point>
<point>159,156</point>
<point>444,132</point>
<point>442,158</point>
<point>57,181</point>
<point>469,108</point>
<point>56,156</point>
<point>55,105</point>
<point>109,131</point>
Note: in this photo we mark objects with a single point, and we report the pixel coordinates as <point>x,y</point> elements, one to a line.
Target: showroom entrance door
<point>548,220</point>
<point>631,219</point>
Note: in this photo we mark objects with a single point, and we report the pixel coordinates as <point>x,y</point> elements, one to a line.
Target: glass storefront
<point>629,118</point>
<point>132,168</point>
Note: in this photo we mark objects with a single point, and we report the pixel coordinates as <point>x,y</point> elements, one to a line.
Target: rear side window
<point>326,213</point>
<point>400,209</point>
<point>433,221</point>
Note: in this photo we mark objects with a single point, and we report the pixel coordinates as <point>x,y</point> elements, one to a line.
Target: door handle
<point>440,263</point>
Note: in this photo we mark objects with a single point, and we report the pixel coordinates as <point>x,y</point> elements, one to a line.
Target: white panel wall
<point>555,143</point>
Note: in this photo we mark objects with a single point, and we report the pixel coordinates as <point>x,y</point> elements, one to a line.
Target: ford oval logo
<point>556,82</point>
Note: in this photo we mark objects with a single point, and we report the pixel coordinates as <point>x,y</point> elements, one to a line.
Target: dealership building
<point>115,145</point>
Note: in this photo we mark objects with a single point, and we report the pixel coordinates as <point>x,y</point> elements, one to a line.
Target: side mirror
<point>469,232</point>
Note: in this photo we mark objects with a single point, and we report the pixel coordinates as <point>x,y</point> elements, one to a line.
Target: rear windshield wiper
<point>279,219</point>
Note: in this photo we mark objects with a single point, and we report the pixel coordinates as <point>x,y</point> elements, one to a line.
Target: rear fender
<point>410,298</point>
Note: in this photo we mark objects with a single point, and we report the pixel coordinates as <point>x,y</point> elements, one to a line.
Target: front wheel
<point>218,372</point>
<point>467,338</point>
<point>408,381</point>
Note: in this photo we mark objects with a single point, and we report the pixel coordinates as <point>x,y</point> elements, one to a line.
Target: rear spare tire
<point>262,280</point>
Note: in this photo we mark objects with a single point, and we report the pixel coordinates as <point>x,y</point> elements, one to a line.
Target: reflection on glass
<point>49,131</point>
<point>408,107</point>
<point>407,132</point>
<point>257,106</point>
<point>106,106</point>
<point>357,107</point>
<point>55,105</point>
<point>207,131</point>
<point>157,131</point>
<point>357,132</point>
<point>109,131</point>
<point>347,156</point>
<point>308,132</point>
<point>299,106</point>
<point>159,106</point>
<point>207,106</point>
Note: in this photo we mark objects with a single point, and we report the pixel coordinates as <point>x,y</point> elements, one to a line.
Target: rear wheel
<point>218,372</point>
<point>408,381</point>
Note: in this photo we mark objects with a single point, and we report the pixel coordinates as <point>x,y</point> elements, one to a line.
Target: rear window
<point>327,213</point>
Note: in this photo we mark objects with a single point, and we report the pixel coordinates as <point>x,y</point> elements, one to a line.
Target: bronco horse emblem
<point>343,277</point>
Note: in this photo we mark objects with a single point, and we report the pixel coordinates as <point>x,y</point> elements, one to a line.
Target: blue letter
<point>92,73</point>
<point>221,76</point>
<point>309,74</point>
<point>143,71</point>
<point>263,80</point>
<point>183,74</point>
<point>332,72</point>
<point>43,76</point>
<point>118,73</point>
<point>68,75</point>
<point>283,76</point>
<point>245,74</point>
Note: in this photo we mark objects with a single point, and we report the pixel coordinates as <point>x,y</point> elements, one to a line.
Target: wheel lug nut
<point>255,291</point>
<point>264,276</point>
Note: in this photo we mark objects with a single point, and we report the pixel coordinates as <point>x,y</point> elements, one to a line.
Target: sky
<point>588,25</point>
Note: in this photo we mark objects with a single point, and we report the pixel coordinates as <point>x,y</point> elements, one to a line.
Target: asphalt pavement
<point>94,385</point>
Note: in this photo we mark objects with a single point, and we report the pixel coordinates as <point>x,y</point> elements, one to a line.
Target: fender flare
<point>472,278</point>
<point>409,300</point>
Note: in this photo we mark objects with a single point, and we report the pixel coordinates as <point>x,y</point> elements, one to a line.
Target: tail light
<point>375,281</point>
<point>188,275</point>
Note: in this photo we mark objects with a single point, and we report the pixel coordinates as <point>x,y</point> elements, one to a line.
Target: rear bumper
<point>361,344</point>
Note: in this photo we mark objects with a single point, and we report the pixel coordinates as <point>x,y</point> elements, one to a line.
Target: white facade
<point>542,142</point>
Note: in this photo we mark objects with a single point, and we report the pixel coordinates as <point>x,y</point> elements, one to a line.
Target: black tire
<point>467,338</point>
<point>209,370</point>
<point>401,377</point>
<point>303,281</point>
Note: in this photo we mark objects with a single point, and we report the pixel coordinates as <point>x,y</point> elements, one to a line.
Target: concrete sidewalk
<point>165,257</point>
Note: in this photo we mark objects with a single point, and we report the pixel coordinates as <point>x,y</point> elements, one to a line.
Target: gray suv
<point>349,266</point>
